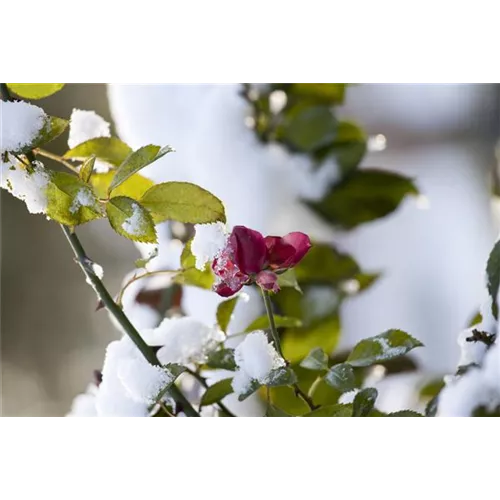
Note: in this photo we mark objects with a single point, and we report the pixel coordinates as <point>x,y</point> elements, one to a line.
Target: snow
<point>256,359</point>
<point>20,123</point>
<point>84,404</point>
<point>135,224</point>
<point>84,198</point>
<point>208,242</point>
<point>86,125</point>
<point>129,383</point>
<point>29,187</point>
<point>470,352</point>
<point>98,270</point>
<point>183,340</point>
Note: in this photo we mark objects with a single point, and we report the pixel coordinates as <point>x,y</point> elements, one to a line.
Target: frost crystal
<point>84,198</point>
<point>183,340</point>
<point>134,225</point>
<point>256,359</point>
<point>208,242</point>
<point>86,125</point>
<point>29,187</point>
<point>20,123</point>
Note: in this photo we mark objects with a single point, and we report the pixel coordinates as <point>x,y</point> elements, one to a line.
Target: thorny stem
<point>100,289</point>
<point>203,382</point>
<point>276,340</point>
<point>103,294</point>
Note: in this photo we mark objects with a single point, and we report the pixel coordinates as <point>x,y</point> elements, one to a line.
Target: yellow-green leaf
<point>184,202</point>
<point>224,313</point>
<point>134,187</point>
<point>70,200</point>
<point>130,219</point>
<point>298,342</point>
<point>108,149</point>
<point>35,90</point>
<point>262,323</point>
<point>86,169</point>
<point>136,161</point>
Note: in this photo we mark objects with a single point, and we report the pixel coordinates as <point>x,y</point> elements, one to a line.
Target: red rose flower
<point>250,258</point>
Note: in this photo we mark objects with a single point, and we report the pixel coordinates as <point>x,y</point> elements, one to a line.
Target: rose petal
<point>224,290</point>
<point>301,243</point>
<point>268,281</point>
<point>279,253</point>
<point>249,249</point>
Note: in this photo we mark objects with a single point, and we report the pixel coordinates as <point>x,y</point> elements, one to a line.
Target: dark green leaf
<point>216,392</point>
<point>405,413</point>
<point>432,388</point>
<point>317,360</point>
<point>321,93</point>
<point>493,277</point>
<point>222,359</point>
<point>337,410</point>
<point>35,90</point>
<point>70,201</point>
<point>341,377</point>
<point>184,202</point>
<point>366,280</point>
<point>432,407</point>
<point>52,128</point>
<point>324,264</point>
<point>364,402</point>
<point>108,149</point>
<point>274,411</point>
<point>324,333</point>
<point>281,376</point>
<point>136,161</point>
<point>387,345</point>
<point>128,218</point>
<point>224,313</point>
<point>308,128</point>
<point>364,196</point>
<point>253,387</point>
<point>262,323</point>
<point>86,169</point>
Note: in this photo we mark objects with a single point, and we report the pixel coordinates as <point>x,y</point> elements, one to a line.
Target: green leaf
<point>35,90</point>
<point>70,201</point>
<point>136,161</point>
<point>348,147</point>
<point>222,359</point>
<point>86,169</point>
<point>364,402</point>
<point>216,392</point>
<point>274,411</point>
<point>432,388</point>
<point>184,202</point>
<point>134,187</point>
<point>262,323</point>
<point>253,387</point>
<point>324,264</point>
<point>388,345</point>
<point>324,333</point>
<point>493,277</point>
<point>321,93</point>
<point>405,413</point>
<point>281,376</point>
<point>288,279</point>
<point>131,220</point>
<point>190,275</point>
<point>174,370</point>
<point>366,280</point>
<point>224,313</point>
<point>308,128</point>
<point>337,410</point>
<point>316,360</point>
<point>341,377</point>
<point>363,196</point>
<point>477,318</point>
<point>108,149</point>
<point>142,263</point>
